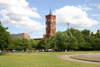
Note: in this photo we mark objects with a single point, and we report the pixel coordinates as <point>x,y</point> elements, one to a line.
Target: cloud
<point>99,26</point>
<point>7,3</point>
<point>96,15</point>
<point>96,5</point>
<point>75,16</point>
<point>87,0</point>
<point>34,9</point>
<point>85,7</point>
<point>17,13</point>
<point>99,18</point>
<point>36,35</point>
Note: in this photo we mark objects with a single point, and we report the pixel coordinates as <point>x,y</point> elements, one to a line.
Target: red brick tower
<point>50,23</point>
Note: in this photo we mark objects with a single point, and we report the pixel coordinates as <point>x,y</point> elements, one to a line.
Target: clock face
<point>50,19</point>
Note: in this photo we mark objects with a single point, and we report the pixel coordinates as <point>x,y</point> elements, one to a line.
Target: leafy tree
<point>60,38</point>
<point>12,45</point>
<point>96,44</point>
<point>4,37</point>
<point>97,35</point>
<point>55,47</point>
<point>86,32</point>
<point>88,38</point>
<point>72,40</point>
<point>18,44</point>
<point>80,40</point>
<point>92,34</point>
<point>87,46</point>
<point>33,43</point>
<point>21,43</point>
<point>29,46</point>
<point>44,44</point>
<point>25,43</point>
<point>73,43</point>
<point>72,30</point>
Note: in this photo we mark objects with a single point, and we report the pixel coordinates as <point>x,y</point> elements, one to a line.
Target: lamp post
<point>68,25</point>
<point>68,34</point>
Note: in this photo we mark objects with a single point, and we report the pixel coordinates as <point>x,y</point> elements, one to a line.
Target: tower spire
<point>50,11</point>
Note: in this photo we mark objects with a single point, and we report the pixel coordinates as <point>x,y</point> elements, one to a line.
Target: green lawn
<point>41,59</point>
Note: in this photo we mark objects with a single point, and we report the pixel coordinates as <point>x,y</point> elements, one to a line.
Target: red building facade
<point>50,25</point>
<point>20,35</point>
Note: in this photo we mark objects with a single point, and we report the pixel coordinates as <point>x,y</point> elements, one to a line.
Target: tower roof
<point>50,11</point>
<point>98,30</point>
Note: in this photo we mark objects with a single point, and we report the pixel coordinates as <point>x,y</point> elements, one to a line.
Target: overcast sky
<point>28,16</point>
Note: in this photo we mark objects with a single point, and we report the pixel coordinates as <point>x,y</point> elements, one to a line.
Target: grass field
<point>42,59</point>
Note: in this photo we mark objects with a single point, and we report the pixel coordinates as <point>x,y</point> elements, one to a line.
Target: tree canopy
<point>71,39</point>
<point>4,37</point>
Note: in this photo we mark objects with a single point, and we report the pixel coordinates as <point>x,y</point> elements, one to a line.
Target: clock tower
<point>50,25</point>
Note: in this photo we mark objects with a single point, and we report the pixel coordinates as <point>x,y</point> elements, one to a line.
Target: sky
<point>28,16</point>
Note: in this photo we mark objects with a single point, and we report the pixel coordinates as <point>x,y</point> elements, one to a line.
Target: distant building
<point>50,25</point>
<point>20,35</point>
<point>38,39</point>
<point>98,30</point>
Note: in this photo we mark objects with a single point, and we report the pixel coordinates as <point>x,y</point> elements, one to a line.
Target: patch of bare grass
<point>88,57</point>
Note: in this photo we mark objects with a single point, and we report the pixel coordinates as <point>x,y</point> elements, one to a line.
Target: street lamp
<point>68,25</point>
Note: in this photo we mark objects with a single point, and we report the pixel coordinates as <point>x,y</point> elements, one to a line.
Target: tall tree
<point>4,37</point>
<point>12,45</point>
<point>72,30</point>
<point>87,46</point>
<point>96,44</point>
<point>97,35</point>
<point>44,44</point>
<point>86,32</point>
<point>88,38</point>
<point>33,43</point>
<point>25,43</point>
<point>54,46</point>
<point>72,41</point>
<point>60,38</point>
<point>92,34</point>
<point>80,40</point>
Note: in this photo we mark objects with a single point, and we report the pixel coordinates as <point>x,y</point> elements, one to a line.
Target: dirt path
<point>67,57</point>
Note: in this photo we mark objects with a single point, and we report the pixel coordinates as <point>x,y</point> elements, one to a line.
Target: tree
<point>25,43</point>
<point>33,43</point>
<point>73,43</point>
<point>87,46</point>
<point>80,40</point>
<point>60,38</point>
<point>96,44</point>
<point>86,32</point>
<point>21,43</point>
<point>44,44</point>
<point>54,46</point>
<point>97,35</point>
<point>4,37</point>
<point>72,30</point>
<point>12,45</point>
<point>92,34</point>
<point>88,38</point>
<point>72,40</point>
